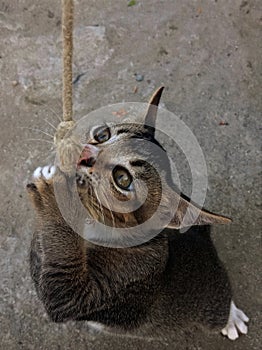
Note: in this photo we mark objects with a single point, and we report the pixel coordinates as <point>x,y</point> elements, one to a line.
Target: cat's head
<point>124,177</point>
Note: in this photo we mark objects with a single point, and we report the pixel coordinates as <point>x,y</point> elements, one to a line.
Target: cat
<point>170,281</point>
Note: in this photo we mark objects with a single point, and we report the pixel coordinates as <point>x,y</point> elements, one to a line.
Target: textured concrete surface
<point>208,55</point>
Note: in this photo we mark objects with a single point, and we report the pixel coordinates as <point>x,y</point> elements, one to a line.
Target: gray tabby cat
<point>171,281</point>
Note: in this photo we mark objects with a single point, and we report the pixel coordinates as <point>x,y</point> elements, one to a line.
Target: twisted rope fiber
<point>67,35</point>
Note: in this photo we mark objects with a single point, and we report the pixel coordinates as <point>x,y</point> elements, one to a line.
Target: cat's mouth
<point>86,162</point>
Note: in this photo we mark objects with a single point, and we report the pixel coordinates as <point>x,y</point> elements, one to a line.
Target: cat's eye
<point>122,178</point>
<point>102,134</point>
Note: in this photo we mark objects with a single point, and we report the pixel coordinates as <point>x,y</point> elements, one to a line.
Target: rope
<point>67,34</point>
<point>67,31</point>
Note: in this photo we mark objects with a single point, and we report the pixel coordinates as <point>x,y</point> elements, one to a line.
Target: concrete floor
<point>208,55</point>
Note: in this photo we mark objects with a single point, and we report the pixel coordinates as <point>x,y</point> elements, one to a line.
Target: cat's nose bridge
<point>90,150</point>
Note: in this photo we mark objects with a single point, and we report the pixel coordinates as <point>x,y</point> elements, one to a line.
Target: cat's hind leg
<point>236,323</point>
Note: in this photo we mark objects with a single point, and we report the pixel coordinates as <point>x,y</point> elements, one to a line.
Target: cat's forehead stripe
<point>123,131</point>
<point>138,163</point>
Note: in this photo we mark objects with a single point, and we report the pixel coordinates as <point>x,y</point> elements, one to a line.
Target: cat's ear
<point>189,214</point>
<point>151,114</point>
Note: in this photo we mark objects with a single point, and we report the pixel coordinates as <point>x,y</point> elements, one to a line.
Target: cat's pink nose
<point>88,156</point>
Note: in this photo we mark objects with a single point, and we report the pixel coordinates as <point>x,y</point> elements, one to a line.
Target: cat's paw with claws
<point>47,172</point>
<point>236,323</point>
<point>41,190</point>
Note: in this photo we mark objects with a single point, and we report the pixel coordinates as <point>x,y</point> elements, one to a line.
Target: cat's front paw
<point>41,190</point>
<point>236,323</point>
<point>47,172</point>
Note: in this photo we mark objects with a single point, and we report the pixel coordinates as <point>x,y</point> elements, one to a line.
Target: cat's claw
<point>236,323</point>
<point>47,172</point>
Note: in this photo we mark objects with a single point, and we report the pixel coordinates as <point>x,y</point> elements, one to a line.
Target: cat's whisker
<point>92,208</point>
<point>50,124</point>
<point>100,207</point>
<point>48,153</point>
<point>37,130</point>
<point>54,112</point>
<point>40,140</point>
<point>111,213</point>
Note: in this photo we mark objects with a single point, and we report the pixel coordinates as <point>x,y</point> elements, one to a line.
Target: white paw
<point>95,326</point>
<point>236,323</point>
<point>47,172</point>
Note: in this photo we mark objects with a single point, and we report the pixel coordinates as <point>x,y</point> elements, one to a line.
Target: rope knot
<point>63,128</point>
